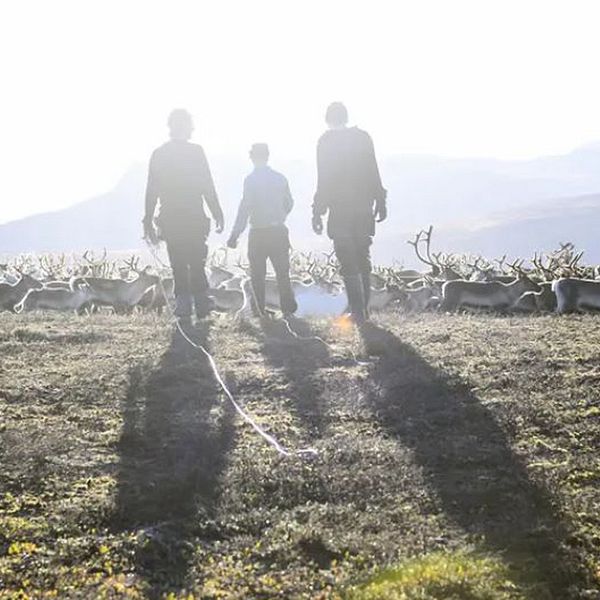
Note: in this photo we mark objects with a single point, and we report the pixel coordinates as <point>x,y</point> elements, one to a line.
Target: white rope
<point>213,365</point>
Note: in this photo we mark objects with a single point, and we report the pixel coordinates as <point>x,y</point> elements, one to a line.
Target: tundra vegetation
<point>458,458</point>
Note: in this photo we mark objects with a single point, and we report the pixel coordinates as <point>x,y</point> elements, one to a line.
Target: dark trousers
<point>353,254</point>
<point>187,254</point>
<point>271,243</point>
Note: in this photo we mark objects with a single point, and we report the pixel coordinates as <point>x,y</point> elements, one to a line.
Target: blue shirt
<point>266,202</point>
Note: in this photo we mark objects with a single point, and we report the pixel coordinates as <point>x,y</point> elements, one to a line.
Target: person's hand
<point>380,212</point>
<point>219,224</point>
<point>317,224</point>
<point>232,243</point>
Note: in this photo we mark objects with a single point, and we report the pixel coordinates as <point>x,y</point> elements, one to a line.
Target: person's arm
<point>241,221</point>
<point>288,200</point>
<point>379,192</point>
<point>320,205</point>
<point>209,193</point>
<point>151,200</point>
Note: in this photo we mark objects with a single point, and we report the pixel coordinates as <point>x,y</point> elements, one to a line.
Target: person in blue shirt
<point>266,203</point>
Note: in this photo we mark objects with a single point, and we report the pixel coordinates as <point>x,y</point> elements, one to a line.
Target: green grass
<point>459,460</point>
<point>442,575</point>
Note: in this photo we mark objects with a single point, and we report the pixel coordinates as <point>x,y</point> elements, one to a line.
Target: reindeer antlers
<point>133,263</point>
<point>420,238</point>
<point>99,267</point>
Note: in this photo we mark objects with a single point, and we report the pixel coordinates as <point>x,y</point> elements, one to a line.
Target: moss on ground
<point>462,450</point>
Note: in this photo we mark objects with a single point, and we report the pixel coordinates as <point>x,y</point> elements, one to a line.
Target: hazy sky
<point>87,85</point>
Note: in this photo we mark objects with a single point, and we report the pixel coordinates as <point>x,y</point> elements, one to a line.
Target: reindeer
<point>235,283</point>
<point>441,265</point>
<point>7,277</point>
<point>377,281</point>
<point>154,298</point>
<point>99,267</point>
<point>122,295</point>
<point>573,294</point>
<point>493,295</point>
<point>316,297</point>
<point>229,300</point>
<point>218,275</point>
<point>382,297</point>
<point>420,299</point>
<point>52,266</point>
<point>57,285</point>
<point>56,299</point>
<point>11,295</point>
<point>542,301</point>
<point>563,262</point>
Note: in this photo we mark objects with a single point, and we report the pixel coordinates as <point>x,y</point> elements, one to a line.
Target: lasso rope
<point>213,365</point>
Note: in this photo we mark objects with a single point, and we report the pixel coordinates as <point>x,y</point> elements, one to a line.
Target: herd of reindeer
<point>550,282</point>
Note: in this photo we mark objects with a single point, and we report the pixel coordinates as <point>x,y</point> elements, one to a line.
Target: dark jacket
<point>180,176</point>
<point>349,184</point>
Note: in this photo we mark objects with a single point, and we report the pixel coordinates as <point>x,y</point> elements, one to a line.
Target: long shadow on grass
<point>299,359</point>
<point>173,448</point>
<point>466,458</point>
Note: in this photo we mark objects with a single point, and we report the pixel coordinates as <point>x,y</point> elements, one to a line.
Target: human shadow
<point>468,462</point>
<point>292,346</point>
<point>173,448</point>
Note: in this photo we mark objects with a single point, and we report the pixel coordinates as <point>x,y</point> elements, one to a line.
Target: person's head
<point>336,115</point>
<point>181,124</point>
<point>259,154</point>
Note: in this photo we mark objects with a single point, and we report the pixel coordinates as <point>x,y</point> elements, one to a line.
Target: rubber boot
<point>183,306</point>
<point>203,306</point>
<point>366,282</point>
<point>356,298</point>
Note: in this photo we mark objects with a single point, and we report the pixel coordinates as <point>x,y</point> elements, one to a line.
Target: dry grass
<point>464,453</point>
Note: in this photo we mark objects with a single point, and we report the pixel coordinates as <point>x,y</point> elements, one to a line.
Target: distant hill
<point>541,226</point>
<point>485,205</point>
<point>111,220</point>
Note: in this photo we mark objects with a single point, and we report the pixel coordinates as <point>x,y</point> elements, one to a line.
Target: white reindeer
<point>576,294</point>
<point>313,298</point>
<point>122,295</point>
<point>493,295</point>
<point>56,299</point>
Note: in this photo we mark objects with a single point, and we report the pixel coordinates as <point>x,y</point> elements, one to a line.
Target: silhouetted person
<point>180,177</point>
<point>349,188</point>
<point>266,203</point>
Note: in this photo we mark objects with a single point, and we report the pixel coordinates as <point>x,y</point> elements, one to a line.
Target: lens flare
<point>343,323</point>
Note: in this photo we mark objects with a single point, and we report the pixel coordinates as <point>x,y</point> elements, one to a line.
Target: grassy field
<point>459,458</point>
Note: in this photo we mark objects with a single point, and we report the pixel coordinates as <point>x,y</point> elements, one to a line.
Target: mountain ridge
<point>480,206</point>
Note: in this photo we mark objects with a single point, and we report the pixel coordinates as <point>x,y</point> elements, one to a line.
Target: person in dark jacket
<point>349,189</point>
<point>266,203</point>
<point>180,177</point>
